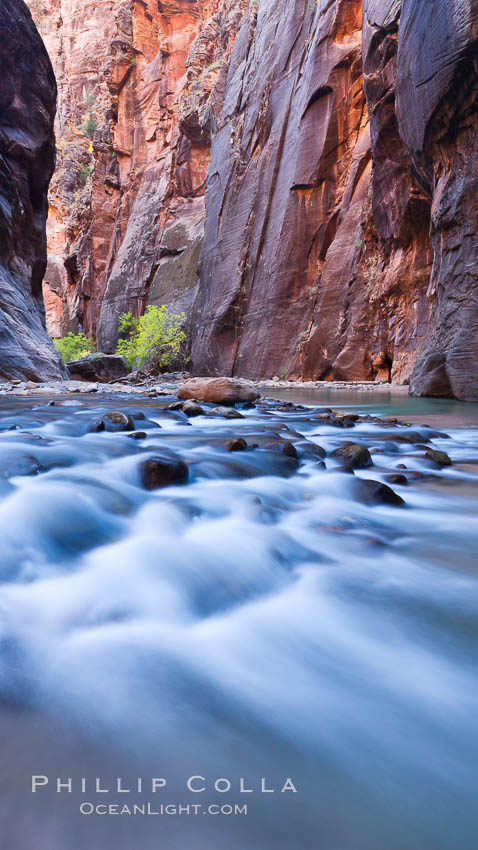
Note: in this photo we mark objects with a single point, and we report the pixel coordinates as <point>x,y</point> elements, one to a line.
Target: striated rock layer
<point>341,233</point>
<point>437,106</point>
<point>27,151</point>
<point>316,258</point>
<point>137,98</point>
<point>297,176</point>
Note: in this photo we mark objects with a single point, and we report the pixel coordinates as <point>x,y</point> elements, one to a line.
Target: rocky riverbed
<point>263,588</point>
<point>168,384</point>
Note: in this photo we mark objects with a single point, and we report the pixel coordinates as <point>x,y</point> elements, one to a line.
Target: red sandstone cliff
<point>27,107</point>
<point>137,98</point>
<point>336,139</point>
<point>342,214</point>
<point>313,217</point>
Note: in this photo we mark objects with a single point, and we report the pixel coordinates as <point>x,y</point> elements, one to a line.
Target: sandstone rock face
<point>27,108</point>
<point>322,194</point>
<point>218,390</point>
<point>437,106</point>
<point>138,91</point>
<point>293,126</point>
<point>298,177</point>
<point>316,259</point>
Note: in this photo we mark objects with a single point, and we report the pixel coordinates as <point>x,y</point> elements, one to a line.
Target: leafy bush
<point>154,340</point>
<point>90,125</point>
<point>74,346</point>
<point>85,174</point>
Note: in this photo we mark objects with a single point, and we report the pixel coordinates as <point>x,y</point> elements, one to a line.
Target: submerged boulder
<point>224,412</point>
<point>283,446</point>
<point>397,478</point>
<point>159,471</point>
<point>218,390</point>
<point>238,444</point>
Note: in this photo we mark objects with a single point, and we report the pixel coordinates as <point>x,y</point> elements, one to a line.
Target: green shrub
<point>85,174</point>
<point>154,340</point>
<point>74,346</point>
<point>90,125</point>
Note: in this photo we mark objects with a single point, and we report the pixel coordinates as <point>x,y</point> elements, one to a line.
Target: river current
<point>267,620</point>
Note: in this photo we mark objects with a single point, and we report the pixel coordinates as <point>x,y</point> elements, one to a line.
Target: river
<point>267,621</point>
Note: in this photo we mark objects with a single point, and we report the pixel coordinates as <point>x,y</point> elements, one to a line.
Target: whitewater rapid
<point>260,620</point>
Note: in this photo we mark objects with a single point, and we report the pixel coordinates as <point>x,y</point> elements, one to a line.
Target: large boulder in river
<point>218,390</point>
<point>100,367</point>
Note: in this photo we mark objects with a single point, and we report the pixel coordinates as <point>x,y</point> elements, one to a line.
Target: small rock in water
<point>236,445</point>
<point>441,458</point>
<point>338,419</point>
<point>354,456</point>
<point>138,435</point>
<point>374,492</point>
<point>97,427</point>
<point>162,471</point>
<point>192,408</point>
<point>286,447</point>
<point>306,449</point>
<point>115,420</point>
<point>397,478</point>
<point>25,465</point>
<point>224,412</point>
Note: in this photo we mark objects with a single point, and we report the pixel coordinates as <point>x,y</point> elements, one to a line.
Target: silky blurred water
<point>259,621</point>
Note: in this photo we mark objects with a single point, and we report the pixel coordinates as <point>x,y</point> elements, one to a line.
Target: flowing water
<point>264,620</point>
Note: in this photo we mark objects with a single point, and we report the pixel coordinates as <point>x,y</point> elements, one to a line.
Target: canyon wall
<point>27,151</point>
<point>314,220</point>
<point>437,107</point>
<point>138,83</point>
<point>342,213</point>
<point>297,176</point>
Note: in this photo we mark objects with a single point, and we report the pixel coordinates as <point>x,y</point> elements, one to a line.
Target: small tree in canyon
<point>154,340</point>
<point>74,346</point>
